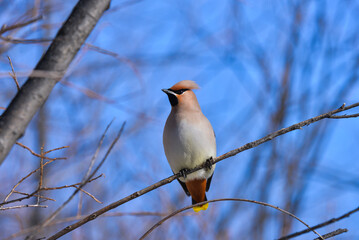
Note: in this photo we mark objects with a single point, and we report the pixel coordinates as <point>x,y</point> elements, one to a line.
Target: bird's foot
<point>209,163</point>
<point>184,172</point>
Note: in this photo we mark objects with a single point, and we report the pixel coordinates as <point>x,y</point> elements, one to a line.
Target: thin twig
<point>41,172</point>
<point>92,162</point>
<point>21,180</point>
<point>74,186</point>
<point>54,214</point>
<point>13,74</point>
<point>333,220</point>
<point>35,195</point>
<point>25,41</point>
<point>18,199</point>
<point>334,233</point>
<point>221,200</point>
<point>22,206</point>
<point>89,194</point>
<point>215,160</point>
<point>345,116</point>
<point>127,61</point>
<point>5,202</point>
<point>79,205</point>
<point>108,152</point>
<point>88,92</point>
<point>39,155</point>
<point>55,149</point>
<point>69,186</point>
<point>5,28</point>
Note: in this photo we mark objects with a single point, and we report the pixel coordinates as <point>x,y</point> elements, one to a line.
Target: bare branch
<point>92,162</point>
<point>345,116</point>
<point>84,182</point>
<point>41,173</point>
<point>42,156</point>
<point>333,220</point>
<point>21,180</point>
<point>13,74</point>
<point>22,206</point>
<point>39,155</point>
<point>55,149</point>
<point>89,194</point>
<point>25,41</point>
<point>221,200</point>
<point>5,28</point>
<point>35,195</point>
<point>334,233</point>
<point>215,160</point>
<point>18,199</point>
<point>69,186</point>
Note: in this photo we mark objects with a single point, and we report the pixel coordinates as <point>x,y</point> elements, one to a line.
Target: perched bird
<point>189,141</point>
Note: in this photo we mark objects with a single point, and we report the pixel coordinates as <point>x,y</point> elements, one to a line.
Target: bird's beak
<point>167,91</point>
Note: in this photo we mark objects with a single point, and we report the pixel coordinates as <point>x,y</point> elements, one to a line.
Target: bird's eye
<point>180,91</point>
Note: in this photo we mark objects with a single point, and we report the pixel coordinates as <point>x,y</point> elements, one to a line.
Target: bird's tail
<point>201,207</point>
<point>197,189</point>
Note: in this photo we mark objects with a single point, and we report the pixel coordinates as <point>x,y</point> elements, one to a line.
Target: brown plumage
<point>197,189</point>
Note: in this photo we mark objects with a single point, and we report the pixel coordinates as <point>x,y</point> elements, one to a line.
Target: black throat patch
<point>173,99</point>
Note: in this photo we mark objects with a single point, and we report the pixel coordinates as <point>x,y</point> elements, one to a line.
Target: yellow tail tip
<point>199,208</point>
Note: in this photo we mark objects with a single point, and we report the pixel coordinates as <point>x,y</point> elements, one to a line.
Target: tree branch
<point>5,28</point>
<point>215,160</point>
<point>13,74</point>
<point>345,116</point>
<point>22,206</point>
<point>320,225</point>
<point>226,199</point>
<point>334,233</point>
<point>58,57</point>
<point>88,176</point>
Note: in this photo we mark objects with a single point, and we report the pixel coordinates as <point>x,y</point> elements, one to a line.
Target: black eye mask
<point>180,91</point>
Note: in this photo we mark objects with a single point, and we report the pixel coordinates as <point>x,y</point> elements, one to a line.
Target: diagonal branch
<point>58,57</point>
<point>13,74</point>
<point>215,160</point>
<point>333,220</point>
<point>334,233</point>
<point>5,28</point>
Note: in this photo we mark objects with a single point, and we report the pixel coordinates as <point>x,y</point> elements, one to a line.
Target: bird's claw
<point>184,172</point>
<point>209,163</point>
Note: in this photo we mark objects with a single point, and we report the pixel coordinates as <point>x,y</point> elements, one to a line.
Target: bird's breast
<point>188,142</point>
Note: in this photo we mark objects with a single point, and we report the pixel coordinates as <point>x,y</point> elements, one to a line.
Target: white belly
<point>188,145</point>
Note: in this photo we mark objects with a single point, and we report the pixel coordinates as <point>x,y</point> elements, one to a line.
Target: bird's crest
<point>185,84</point>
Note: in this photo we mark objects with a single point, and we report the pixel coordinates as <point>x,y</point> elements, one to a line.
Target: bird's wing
<point>184,187</point>
<point>209,182</point>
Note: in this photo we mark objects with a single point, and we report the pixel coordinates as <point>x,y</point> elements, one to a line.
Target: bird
<point>189,141</point>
